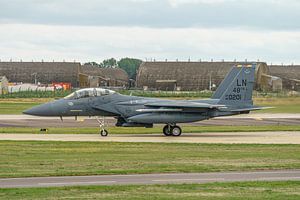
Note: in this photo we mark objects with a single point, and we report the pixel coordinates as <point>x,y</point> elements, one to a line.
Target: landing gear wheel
<point>103,133</point>
<point>167,130</point>
<point>176,131</point>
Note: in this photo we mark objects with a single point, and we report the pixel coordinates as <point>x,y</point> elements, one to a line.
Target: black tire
<point>103,133</point>
<point>166,130</point>
<point>176,131</point>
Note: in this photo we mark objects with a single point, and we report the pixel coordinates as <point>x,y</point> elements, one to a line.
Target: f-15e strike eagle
<point>233,97</point>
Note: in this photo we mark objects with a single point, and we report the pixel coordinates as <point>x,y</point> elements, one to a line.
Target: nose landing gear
<point>103,131</point>
<point>172,130</point>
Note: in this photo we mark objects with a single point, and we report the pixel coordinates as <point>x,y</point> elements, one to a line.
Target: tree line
<point>130,65</point>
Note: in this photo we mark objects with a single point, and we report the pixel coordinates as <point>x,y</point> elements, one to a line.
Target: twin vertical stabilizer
<point>236,89</point>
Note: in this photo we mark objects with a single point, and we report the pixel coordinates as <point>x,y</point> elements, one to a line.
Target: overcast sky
<point>92,30</point>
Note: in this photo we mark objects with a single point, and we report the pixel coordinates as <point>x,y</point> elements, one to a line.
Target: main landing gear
<point>103,131</point>
<point>172,130</point>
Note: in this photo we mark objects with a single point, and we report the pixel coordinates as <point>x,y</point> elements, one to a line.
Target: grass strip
<point>281,105</point>
<point>27,159</point>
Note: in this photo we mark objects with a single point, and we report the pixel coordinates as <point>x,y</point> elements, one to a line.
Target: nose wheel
<point>172,130</point>
<point>103,131</point>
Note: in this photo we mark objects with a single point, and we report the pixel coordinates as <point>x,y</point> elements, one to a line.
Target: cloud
<point>90,43</point>
<point>83,30</point>
<point>255,14</point>
<point>176,3</point>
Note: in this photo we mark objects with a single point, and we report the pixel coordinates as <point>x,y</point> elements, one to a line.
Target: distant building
<point>3,85</point>
<point>92,76</point>
<point>43,72</point>
<point>67,72</point>
<point>290,75</point>
<point>189,76</point>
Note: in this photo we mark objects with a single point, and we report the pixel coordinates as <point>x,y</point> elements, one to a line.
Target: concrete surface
<point>281,137</point>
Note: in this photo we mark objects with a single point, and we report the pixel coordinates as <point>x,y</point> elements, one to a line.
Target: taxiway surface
<point>281,175</point>
<point>281,137</point>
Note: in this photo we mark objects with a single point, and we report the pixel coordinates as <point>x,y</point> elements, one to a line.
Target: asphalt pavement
<point>281,175</point>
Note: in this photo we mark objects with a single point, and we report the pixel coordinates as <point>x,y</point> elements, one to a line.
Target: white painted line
<point>16,186</point>
<point>192,179</point>
<point>278,178</point>
<point>250,173</point>
<point>75,183</point>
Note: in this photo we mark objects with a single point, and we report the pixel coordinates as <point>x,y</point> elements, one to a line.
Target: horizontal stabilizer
<point>251,109</point>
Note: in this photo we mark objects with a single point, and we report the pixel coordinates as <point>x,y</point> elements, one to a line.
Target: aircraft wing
<point>182,105</point>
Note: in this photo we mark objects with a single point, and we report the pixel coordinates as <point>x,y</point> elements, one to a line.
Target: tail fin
<point>236,89</point>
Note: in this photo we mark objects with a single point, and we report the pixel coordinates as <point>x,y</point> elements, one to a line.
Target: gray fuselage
<point>130,110</point>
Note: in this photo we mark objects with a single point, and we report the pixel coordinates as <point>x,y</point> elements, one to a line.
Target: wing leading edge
<point>184,105</point>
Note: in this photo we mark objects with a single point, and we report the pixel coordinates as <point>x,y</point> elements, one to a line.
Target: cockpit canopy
<point>89,92</point>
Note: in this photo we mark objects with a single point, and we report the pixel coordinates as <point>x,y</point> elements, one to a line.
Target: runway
<point>281,175</point>
<point>256,119</point>
<point>281,137</point>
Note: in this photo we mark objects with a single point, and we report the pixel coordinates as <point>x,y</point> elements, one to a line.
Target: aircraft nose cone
<point>41,110</point>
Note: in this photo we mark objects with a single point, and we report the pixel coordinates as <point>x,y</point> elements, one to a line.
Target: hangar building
<point>91,76</point>
<point>188,76</point>
<point>75,73</point>
<point>290,75</point>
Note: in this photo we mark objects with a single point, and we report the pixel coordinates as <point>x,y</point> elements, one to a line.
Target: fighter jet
<point>232,97</point>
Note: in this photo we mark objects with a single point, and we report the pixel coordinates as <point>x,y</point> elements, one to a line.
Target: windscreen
<point>89,92</point>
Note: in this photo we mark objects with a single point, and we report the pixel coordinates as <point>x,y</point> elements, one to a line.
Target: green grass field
<point>281,105</point>
<point>26,159</point>
<point>156,129</point>
<point>212,191</point>
<point>17,106</point>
